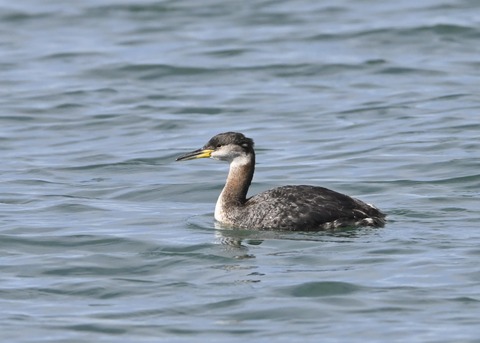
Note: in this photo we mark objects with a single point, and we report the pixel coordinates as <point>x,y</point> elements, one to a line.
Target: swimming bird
<point>294,208</point>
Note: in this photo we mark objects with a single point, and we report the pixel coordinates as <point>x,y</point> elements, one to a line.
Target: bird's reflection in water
<point>238,239</point>
<point>242,238</point>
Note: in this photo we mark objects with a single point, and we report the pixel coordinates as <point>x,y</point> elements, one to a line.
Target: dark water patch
<point>95,271</point>
<point>396,251</point>
<point>69,56</point>
<point>174,250</point>
<point>73,208</point>
<point>15,199</point>
<point>200,110</point>
<point>322,289</point>
<point>17,118</point>
<point>79,290</point>
<point>222,53</point>
<point>466,300</point>
<point>96,328</point>
<point>152,11</point>
<point>387,309</point>
<point>451,29</point>
<point>474,252</point>
<point>405,70</point>
<point>413,33</point>
<point>311,70</point>
<point>68,106</point>
<point>153,193</point>
<point>272,312</point>
<point>55,244</point>
<point>158,71</point>
<point>17,17</point>
<point>167,126</point>
<point>149,71</point>
<point>37,182</point>
<point>471,180</point>
<point>123,165</point>
<point>198,252</point>
<point>228,303</point>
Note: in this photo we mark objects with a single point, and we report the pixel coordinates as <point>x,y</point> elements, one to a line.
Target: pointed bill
<point>200,153</point>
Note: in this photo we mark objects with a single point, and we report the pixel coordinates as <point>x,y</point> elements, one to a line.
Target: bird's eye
<point>219,145</point>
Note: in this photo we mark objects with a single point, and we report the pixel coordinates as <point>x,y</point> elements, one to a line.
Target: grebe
<point>295,208</point>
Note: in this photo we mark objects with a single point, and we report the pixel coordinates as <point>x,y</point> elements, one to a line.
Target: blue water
<point>104,238</point>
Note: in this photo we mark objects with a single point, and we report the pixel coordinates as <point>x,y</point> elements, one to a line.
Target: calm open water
<point>104,238</point>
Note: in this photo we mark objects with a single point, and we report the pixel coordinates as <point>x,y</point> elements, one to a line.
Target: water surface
<point>105,238</point>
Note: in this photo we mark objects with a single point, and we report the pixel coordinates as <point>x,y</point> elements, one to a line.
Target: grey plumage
<point>305,208</point>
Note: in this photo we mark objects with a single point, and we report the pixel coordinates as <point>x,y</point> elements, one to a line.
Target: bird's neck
<point>234,192</point>
<point>239,179</point>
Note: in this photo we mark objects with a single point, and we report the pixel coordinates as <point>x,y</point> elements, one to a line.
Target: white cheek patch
<point>240,160</point>
<point>219,155</point>
<point>227,153</point>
